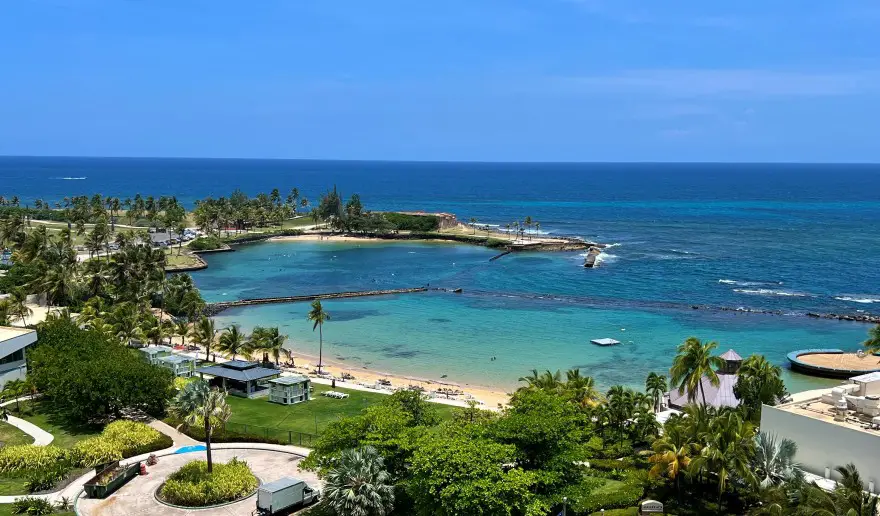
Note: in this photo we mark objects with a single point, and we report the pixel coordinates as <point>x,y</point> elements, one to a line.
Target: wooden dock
<point>212,309</point>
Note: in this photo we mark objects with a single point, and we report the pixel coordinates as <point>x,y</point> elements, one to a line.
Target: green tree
<point>693,362</point>
<point>873,342</point>
<point>847,499</point>
<point>270,342</point>
<point>581,388</point>
<point>758,382</point>
<point>232,341</point>
<point>197,404</point>
<point>318,316</point>
<point>14,390</point>
<point>728,451</point>
<point>204,333</point>
<point>673,453</point>
<point>453,475</point>
<point>655,386</point>
<point>773,461</point>
<point>358,484</point>
<point>87,375</point>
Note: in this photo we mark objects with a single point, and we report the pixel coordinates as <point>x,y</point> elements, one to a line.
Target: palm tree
<point>271,342</point>
<point>15,389</point>
<point>199,404</point>
<point>672,453</point>
<point>545,381</point>
<point>655,386</point>
<point>181,329</point>
<point>359,485</point>
<point>582,388</point>
<point>528,224</point>
<point>847,499</point>
<point>126,323</point>
<point>17,306</point>
<point>203,333</point>
<point>773,462</point>
<point>873,342</point>
<point>318,316</point>
<point>473,222</point>
<point>232,341</point>
<point>693,362</point>
<point>728,451</point>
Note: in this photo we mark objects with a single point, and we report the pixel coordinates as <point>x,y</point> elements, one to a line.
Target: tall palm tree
<point>655,386</point>
<point>473,222</point>
<point>673,453</point>
<point>203,332</point>
<point>199,404</point>
<point>773,462</point>
<point>359,485</point>
<point>126,323</point>
<point>693,362</point>
<point>232,341</point>
<point>318,316</point>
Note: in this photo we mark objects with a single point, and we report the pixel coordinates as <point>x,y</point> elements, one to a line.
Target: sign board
<point>650,507</point>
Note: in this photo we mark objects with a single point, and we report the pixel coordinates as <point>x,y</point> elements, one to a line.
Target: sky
<point>446,80</point>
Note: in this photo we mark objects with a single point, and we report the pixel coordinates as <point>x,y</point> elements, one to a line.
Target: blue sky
<point>493,80</point>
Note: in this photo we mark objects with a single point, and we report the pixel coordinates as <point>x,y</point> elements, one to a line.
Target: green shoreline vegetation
<point>559,444</point>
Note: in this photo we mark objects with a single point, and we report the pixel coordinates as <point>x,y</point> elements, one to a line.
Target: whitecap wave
<point>770,292</point>
<point>605,258</point>
<point>73,178</point>
<point>748,283</point>
<point>859,299</point>
<point>615,244</point>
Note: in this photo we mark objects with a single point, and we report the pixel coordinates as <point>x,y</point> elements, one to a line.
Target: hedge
<point>406,222</point>
<point>120,440</point>
<point>28,457</point>
<point>192,486</point>
<point>206,243</point>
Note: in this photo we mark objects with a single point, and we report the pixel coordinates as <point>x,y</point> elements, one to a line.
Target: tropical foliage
<point>197,484</point>
<point>358,484</point>
<point>197,404</point>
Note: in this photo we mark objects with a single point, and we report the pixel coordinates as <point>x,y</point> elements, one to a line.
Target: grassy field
<point>10,436</point>
<point>311,417</point>
<point>184,260</point>
<point>65,435</point>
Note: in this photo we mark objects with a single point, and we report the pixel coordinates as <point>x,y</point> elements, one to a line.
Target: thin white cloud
<point>691,83</point>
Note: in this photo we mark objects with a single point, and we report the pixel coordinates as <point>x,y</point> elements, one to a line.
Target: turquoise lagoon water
<point>499,314</point>
<point>793,238</point>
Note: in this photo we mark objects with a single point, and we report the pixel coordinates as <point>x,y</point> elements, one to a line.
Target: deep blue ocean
<point>793,238</point>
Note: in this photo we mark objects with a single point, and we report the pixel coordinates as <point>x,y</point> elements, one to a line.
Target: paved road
<point>137,497</point>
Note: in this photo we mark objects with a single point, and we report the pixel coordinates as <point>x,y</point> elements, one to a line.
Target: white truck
<point>281,496</point>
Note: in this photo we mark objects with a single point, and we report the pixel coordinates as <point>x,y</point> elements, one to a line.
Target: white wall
<point>822,444</point>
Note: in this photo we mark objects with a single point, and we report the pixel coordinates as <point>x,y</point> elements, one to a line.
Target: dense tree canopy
<point>87,375</point>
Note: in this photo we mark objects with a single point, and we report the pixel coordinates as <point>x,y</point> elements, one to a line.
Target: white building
<point>290,390</point>
<point>13,345</point>
<point>833,427</point>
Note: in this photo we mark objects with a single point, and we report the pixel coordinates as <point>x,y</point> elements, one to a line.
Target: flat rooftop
<point>846,361</point>
<point>9,332</point>
<point>815,409</point>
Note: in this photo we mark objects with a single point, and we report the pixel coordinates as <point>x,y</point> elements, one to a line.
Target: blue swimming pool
<point>190,449</point>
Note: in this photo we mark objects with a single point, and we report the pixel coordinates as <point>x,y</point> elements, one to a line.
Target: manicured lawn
<point>184,260</point>
<point>310,416</point>
<point>9,435</point>
<point>629,511</point>
<point>66,435</point>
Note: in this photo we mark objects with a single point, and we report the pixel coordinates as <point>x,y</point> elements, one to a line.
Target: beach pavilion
<point>720,396</point>
<point>240,378</point>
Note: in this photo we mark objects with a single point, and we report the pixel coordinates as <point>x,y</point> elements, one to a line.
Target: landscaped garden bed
<point>42,469</point>
<point>193,486</point>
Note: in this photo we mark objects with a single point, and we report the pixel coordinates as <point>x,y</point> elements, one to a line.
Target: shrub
<point>119,440</point>
<point>623,496</point>
<point>32,506</point>
<point>403,221</point>
<point>46,479</point>
<point>206,243</point>
<point>27,457</point>
<point>192,486</point>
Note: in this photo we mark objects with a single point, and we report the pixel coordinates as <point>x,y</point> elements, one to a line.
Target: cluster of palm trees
<point>241,212</point>
<point>523,228</point>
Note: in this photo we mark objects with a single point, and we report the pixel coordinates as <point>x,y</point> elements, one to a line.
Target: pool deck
<point>833,363</point>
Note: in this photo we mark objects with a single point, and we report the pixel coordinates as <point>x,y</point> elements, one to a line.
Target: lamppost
<point>564,505</point>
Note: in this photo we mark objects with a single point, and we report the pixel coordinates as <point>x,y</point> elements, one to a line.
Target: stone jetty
<point>213,309</point>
